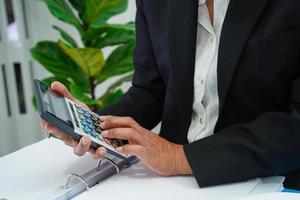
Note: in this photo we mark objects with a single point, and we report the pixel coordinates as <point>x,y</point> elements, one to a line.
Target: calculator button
<point>83,122</point>
<point>86,114</point>
<point>86,130</point>
<point>96,124</point>
<point>93,133</point>
<point>88,120</point>
<point>80,111</point>
<point>99,130</point>
<point>90,126</point>
<point>95,115</point>
<point>77,106</point>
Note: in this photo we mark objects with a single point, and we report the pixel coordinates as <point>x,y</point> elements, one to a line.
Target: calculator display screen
<point>56,105</point>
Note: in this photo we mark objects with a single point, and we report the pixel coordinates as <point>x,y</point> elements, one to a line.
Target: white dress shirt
<point>206,100</point>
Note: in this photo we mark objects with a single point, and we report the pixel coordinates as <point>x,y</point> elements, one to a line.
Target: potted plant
<point>82,66</point>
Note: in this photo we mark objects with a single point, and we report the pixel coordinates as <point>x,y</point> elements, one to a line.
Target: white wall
<point>19,130</point>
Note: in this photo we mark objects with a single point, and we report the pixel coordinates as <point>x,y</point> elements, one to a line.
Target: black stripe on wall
<point>25,20</point>
<point>9,12</point>
<point>6,90</point>
<point>20,89</point>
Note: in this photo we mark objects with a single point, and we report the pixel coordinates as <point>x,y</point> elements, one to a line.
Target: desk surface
<point>36,170</point>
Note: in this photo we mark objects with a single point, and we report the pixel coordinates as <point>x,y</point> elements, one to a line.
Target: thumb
<point>61,89</point>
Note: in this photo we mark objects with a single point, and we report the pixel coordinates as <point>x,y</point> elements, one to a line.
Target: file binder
<point>28,175</point>
<point>76,184</point>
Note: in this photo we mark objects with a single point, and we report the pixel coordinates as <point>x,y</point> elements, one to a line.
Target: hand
<point>80,147</point>
<point>160,155</point>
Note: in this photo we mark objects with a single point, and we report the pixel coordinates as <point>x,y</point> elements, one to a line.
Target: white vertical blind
<point>19,123</point>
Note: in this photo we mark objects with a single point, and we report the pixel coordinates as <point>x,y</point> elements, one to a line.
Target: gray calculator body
<point>70,118</point>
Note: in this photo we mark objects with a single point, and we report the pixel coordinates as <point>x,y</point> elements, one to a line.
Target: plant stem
<point>92,87</point>
<point>92,92</point>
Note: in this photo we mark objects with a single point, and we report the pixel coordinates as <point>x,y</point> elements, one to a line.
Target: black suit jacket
<point>258,131</point>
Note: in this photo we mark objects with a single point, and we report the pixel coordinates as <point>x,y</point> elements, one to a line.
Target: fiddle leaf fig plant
<point>81,65</point>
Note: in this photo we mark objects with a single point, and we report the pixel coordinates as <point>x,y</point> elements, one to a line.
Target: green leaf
<point>34,102</point>
<point>62,11</point>
<point>119,62</point>
<point>109,98</point>
<point>90,60</point>
<point>99,11</point>
<point>114,35</point>
<point>57,62</point>
<point>81,93</point>
<point>112,90</point>
<point>110,34</point>
<point>79,5</point>
<point>66,36</point>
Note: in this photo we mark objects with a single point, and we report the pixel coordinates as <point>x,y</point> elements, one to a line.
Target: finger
<point>44,124</point>
<point>106,117</point>
<point>83,146</point>
<point>117,122</point>
<point>132,149</point>
<point>99,153</point>
<point>61,89</point>
<point>68,140</point>
<point>106,140</point>
<point>123,134</point>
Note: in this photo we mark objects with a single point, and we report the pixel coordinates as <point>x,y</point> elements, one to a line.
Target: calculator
<point>72,119</point>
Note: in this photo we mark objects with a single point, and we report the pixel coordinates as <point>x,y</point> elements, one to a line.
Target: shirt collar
<point>201,2</point>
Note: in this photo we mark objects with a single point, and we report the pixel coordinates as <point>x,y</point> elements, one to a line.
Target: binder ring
<point>66,186</point>
<point>110,161</point>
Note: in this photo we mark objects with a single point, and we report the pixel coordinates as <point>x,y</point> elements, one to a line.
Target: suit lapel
<point>183,16</point>
<point>240,20</point>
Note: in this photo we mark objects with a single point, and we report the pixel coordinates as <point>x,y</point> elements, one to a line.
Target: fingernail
<point>102,125</point>
<point>102,118</point>
<point>104,133</point>
<point>100,152</point>
<point>84,141</point>
<point>52,85</point>
<point>120,149</point>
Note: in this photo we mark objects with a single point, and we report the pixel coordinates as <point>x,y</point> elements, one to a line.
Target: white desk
<point>34,171</point>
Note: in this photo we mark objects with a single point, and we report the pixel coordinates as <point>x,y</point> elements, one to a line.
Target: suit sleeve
<point>144,100</point>
<point>266,146</point>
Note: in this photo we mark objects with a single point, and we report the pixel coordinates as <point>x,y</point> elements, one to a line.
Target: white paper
<point>273,196</point>
<point>269,184</point>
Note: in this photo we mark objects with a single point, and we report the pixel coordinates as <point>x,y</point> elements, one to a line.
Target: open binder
<point>76,184</point>
<point>28,175</point>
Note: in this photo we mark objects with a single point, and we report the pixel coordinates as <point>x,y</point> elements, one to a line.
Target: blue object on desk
<point>291,191</point>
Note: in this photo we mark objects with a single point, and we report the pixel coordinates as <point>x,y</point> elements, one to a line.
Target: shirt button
<point>201,120</point>
<point>202,82</point>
